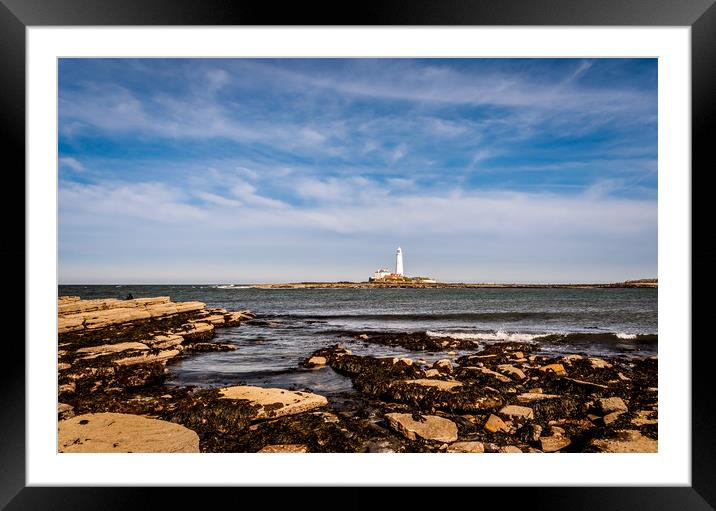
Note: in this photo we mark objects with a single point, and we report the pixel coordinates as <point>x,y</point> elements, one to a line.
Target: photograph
<point>357,255</point>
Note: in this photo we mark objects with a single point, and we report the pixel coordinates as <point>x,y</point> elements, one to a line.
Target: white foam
<point>500,335</point>
<point>622,335</point>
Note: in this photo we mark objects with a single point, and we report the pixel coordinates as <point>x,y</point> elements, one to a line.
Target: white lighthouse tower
<point>399,262</point>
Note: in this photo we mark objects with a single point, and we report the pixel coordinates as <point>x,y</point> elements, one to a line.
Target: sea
<point>293,323</point>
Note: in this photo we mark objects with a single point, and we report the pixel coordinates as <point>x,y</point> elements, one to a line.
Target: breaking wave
<point>562,337</point>
<point>499,335</point>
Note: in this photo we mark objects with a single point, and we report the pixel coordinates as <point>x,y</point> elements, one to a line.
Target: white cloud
<point>247,193</point>
<point>72,163</point>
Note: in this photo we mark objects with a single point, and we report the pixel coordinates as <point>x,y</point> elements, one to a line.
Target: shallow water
<point>296,322</point>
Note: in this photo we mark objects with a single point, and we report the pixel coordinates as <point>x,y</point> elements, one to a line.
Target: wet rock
<point>444,366</point>
<point>466,371</point>
<point>427,427</point>
<point>420,341</point>
<point>510,449</point>
<point>610,418</point>
<point>272,402</point>
<point>557,369</point>
<point>515,412</point>
<point>608,405</point>
<point>438,384</point>
<point>598,363</point>
<point>530,433</point>
<point>494,425</point>
<point>115,432</point>
<point>517,374</point>
<point>531,397</point>
<point>63,367</point>
<point>554,443</point>
<point>467,447</point>
<point>316,362</point>
<point>431,373</point>
<point>568,359</point>
<point>284,448</point>
<point>624,441</point>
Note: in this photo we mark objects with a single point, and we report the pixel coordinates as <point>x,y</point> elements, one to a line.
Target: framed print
<point>387,250</point>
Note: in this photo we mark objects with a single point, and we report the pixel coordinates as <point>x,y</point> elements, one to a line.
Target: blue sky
<point>270,170</point>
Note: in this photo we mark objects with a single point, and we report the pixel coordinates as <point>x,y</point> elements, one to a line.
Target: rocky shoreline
<point>114,355</point>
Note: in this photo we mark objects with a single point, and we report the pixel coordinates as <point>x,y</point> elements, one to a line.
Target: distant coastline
<point>642,283</point>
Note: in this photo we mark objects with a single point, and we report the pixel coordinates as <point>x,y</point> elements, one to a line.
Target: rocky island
<point>508,397</point>
<point>418,284</point>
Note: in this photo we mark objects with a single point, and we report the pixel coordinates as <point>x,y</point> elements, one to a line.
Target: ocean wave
<point>559,338</point>
<point>499,335</point>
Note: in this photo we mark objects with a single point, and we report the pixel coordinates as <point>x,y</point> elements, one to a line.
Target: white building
<point>380,274</point>
<point>399,262</point>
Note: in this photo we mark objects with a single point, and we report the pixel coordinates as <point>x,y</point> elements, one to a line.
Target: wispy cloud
<point>545,162</point>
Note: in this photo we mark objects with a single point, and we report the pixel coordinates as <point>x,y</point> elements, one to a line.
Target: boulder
<point>554,443</point>
<point>598,363</point>
<point>473,447</point>
<point>430,373</point>
<point>444,366</point>
<point>430,427</point>
<point>119,432</point>
<point>499,377</point>
<point>607,405</point>
<point>516,412</point>
<point>272,402</point>
<point>494,424</point>
<point>316,362</point>
<point>611,417</point>
<point>512,371</point>
<point>557,369</point>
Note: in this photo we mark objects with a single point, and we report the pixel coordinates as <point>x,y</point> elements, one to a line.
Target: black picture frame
<point>17,15</point>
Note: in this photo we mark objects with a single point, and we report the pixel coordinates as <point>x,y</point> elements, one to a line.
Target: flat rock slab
<point>108,349</point>
<point>439,384</point>
<point>473,447</point>
<point>431,428</point>
<point>145,358</point>
<point>282,448</point>
<point>512,371</point>
<point>531,397</point>
<point>626,441</point>
<point>558,369</point>
<point>517,412</point>
<point>274,402</point>
<point>119,432</point>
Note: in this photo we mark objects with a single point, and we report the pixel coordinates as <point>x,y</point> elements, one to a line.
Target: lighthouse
<point>399,262</point>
